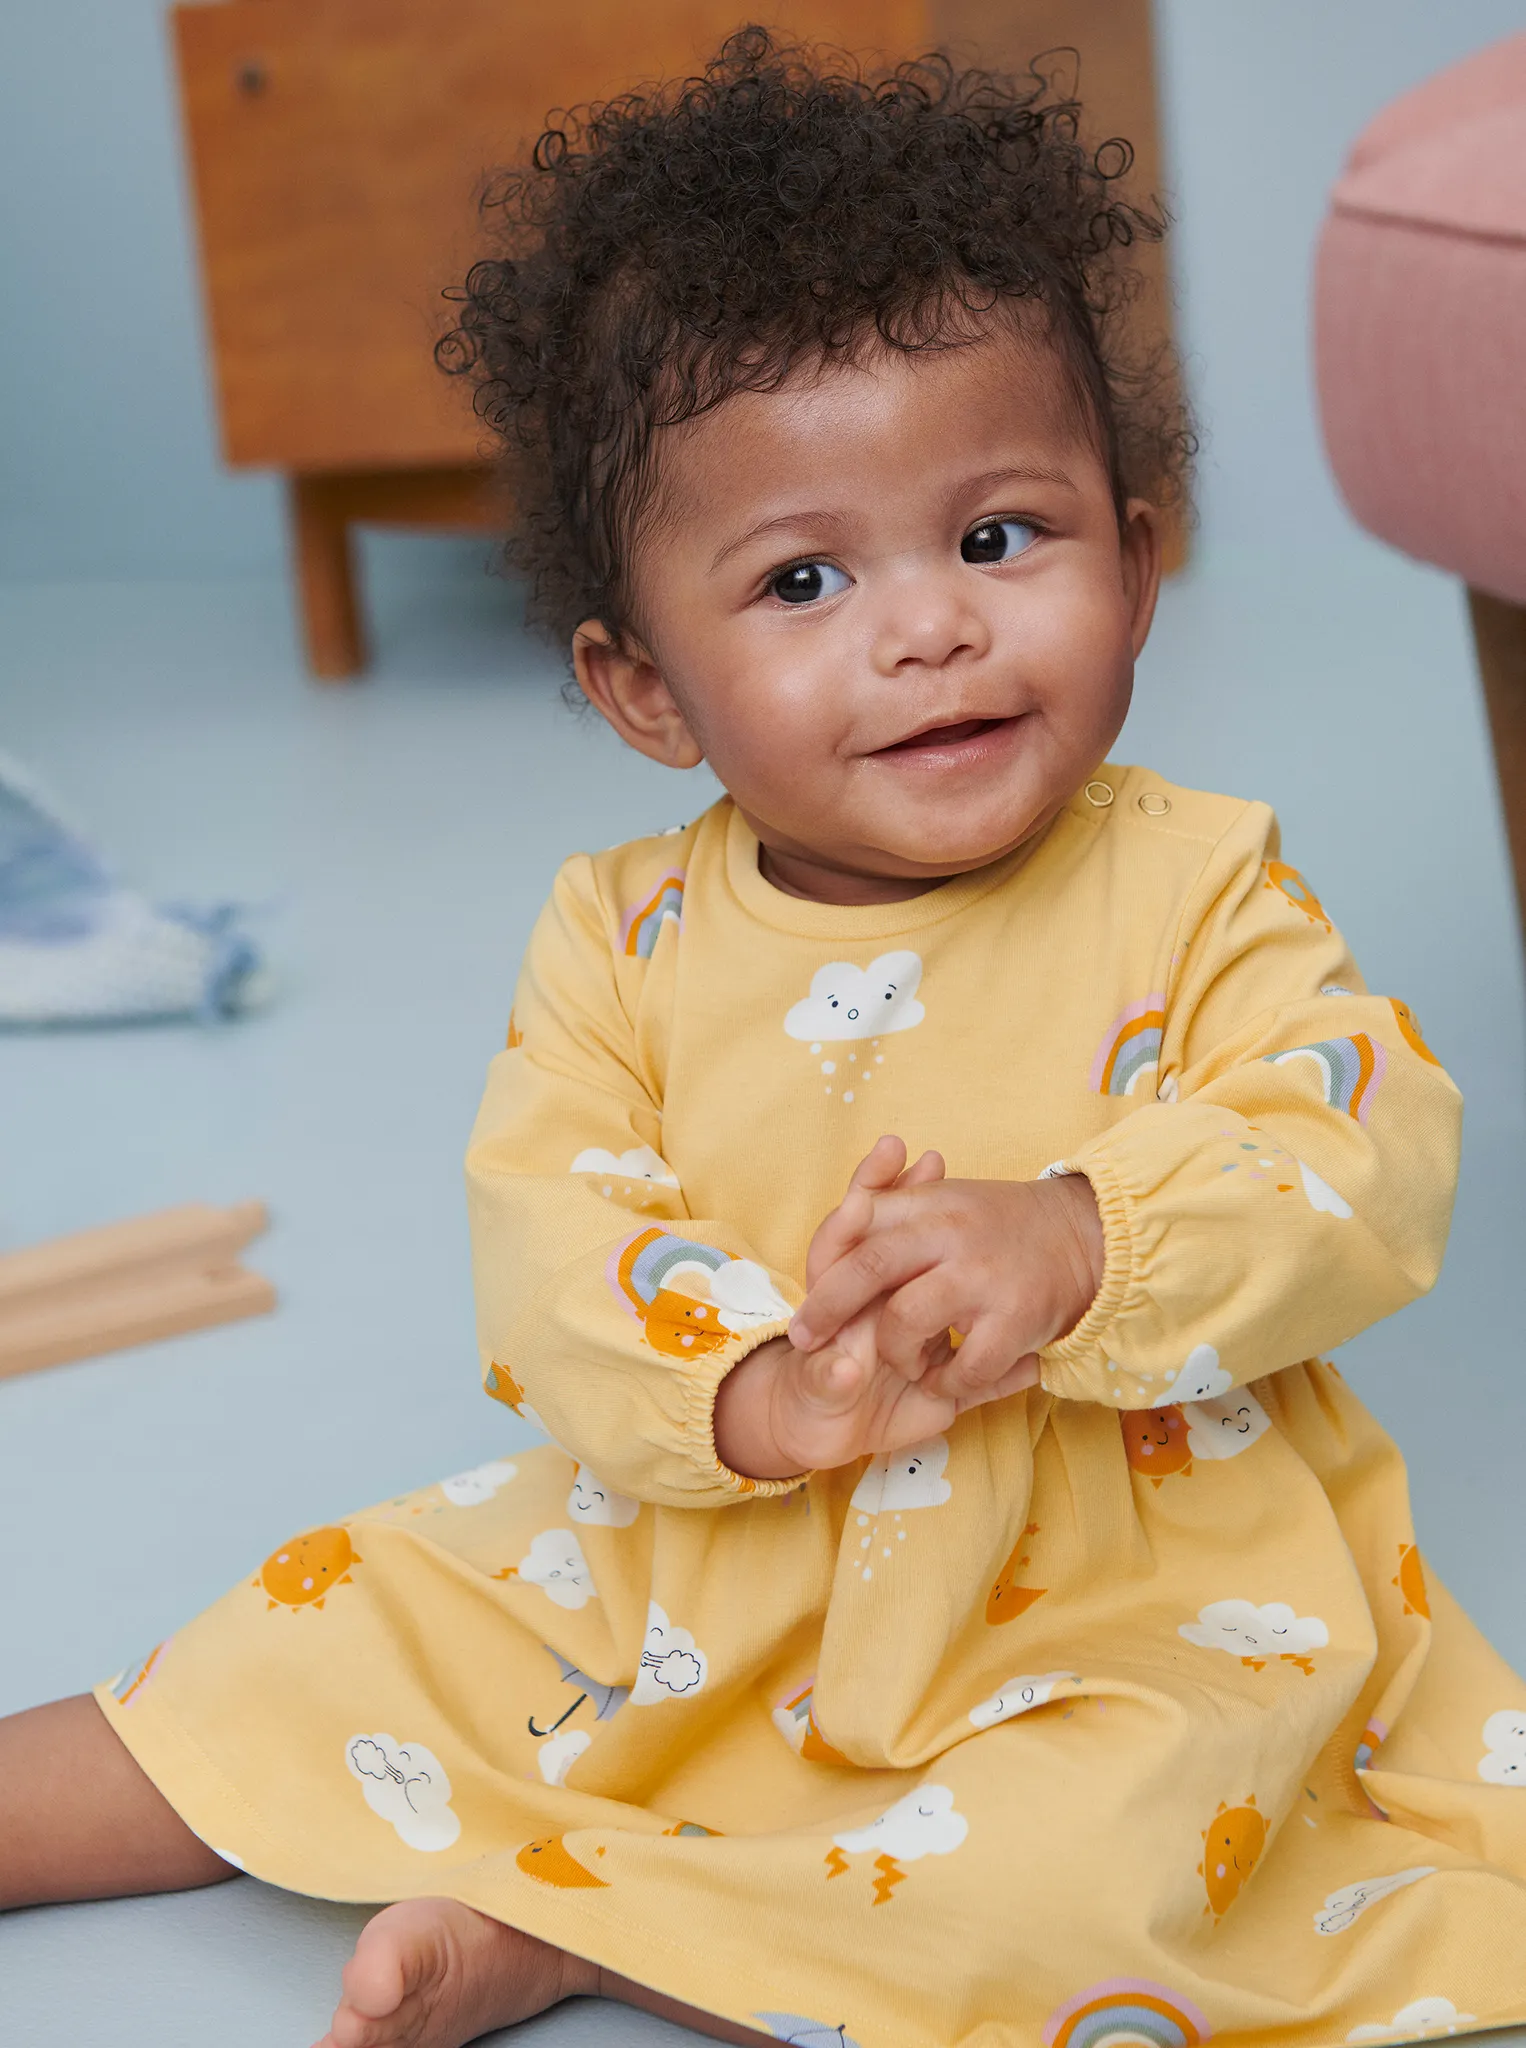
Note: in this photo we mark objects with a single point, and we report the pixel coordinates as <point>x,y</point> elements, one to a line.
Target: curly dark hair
<point>670,248</point>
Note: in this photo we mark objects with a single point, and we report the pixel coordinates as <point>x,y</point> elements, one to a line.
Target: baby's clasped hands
<point>927,1296</point>
<point>1009,1265</point>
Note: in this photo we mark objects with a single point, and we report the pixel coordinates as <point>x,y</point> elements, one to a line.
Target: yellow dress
<point>1125,1712</point>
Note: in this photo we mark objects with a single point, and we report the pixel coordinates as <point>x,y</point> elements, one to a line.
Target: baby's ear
<point>1140,541</point>
<point>625,686</point>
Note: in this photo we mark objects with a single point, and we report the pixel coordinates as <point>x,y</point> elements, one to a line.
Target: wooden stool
<point>323,509</point>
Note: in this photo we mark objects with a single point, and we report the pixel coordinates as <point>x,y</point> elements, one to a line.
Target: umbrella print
<point>607,1699</point>
<point>804,2033</point>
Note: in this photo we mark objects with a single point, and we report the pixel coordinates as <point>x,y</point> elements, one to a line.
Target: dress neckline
<point>788,913</point>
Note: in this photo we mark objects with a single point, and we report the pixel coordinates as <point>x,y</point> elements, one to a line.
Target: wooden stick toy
<point>129,1283</point>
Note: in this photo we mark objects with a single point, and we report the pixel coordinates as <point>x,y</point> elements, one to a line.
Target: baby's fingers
<point>822,1387</point>
<point>929,1167</point>
<point>1013,1381</point>
<point>882,1165</point>
<point>836,1234</point>
<point>917,1316</point>
<point>877,1265</point>
<point>981,1367</point>
<point>838,1231</point>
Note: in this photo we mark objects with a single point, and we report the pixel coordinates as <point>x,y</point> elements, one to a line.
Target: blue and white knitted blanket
<point>78,948</point>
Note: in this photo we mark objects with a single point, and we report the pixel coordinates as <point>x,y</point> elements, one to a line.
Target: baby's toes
<point>410,2024</point>
<point>432,1973</point>
<point>391,1981</point>
<point>351,2028</point>
<point>383,1968</point>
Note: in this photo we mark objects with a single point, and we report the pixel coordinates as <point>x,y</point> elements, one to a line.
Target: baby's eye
<point>804,582</point>
<point>997,540</point>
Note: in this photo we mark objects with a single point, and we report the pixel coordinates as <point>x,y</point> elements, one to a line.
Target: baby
<point>957,1606</point>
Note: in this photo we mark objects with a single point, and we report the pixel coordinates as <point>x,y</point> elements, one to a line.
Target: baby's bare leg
<point>78,1818</point>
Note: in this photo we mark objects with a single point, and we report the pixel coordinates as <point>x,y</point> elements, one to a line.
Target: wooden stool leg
<point>325,566</point>
<point>1499,635</point>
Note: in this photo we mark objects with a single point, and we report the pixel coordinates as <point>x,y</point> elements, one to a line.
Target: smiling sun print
<point>1232,1843</point>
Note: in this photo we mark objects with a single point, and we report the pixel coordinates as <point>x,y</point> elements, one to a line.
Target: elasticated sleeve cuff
<point>699,1427</point>
<point>1076,1367</point>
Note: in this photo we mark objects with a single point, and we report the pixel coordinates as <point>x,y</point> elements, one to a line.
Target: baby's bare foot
<point>431,1973</point>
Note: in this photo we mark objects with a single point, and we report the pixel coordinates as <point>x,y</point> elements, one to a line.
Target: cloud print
<point>1245,1630</point>
<point>1344,1907</point>
<point>1199,1379</point>
<point>1225,1428</point>
<point>1421,2016</point>
<point>1321,1195</point>
<point>745,1296</point>
<point>859,1002</point>
<point>555,1562</point>
<point>559,1752</point>
<point>471,1489</point>
<point>1504,1758</point>
<point>1018,1696</point>
<point>406,1784</point>
<point>598,1506</point>
<point>641,1163</point>
<point>912,1478</point>
<point>671,1667</point>
<point>924,1823</point>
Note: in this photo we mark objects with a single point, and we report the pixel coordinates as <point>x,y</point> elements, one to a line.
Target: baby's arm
<point>1295,1185</point>
<point>1292,1185</point>
<point>604,1309</point>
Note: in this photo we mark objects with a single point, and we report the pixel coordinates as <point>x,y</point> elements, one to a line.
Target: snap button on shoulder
<point>1099,793</point>
<point>1153,804</point>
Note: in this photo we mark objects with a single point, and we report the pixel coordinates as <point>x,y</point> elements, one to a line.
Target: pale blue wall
<point>108,463</point>
<point>1262,99</point>
<point>107,454</point>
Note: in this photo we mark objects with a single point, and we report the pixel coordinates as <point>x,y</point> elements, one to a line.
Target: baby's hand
<point>783,1411</point>
<point>1010,1265</point>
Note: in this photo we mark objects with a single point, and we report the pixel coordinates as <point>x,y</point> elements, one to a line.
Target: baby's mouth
<point>946,735</point>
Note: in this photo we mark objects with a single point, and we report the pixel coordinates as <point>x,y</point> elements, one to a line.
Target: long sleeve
<point>1291,1183</point>
<point>605,1310</point>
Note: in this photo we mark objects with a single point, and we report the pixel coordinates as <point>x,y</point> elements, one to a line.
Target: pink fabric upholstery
<point>1420,323</point>
<point>1491,78</point>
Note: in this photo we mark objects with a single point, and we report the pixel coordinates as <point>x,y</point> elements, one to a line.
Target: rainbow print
<point>1374,1735</point>
<point>1131,1049</point>
<point>1126,2012</point>
<point>1350,1070</point>
<point>639,1268</point>
<point>125,1686</point>
<point>639,933</point>
<point>795,1719</point>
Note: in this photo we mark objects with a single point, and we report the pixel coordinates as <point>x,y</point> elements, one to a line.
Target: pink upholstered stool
<point>1420,349</point>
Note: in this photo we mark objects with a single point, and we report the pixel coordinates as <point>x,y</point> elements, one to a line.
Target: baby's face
<point>891,607</point>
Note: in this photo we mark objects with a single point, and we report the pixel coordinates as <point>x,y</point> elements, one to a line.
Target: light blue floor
<point>403,834</point>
